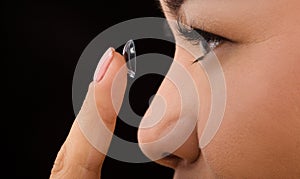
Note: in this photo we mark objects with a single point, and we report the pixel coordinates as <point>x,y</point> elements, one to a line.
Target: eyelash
<point>209,41</point>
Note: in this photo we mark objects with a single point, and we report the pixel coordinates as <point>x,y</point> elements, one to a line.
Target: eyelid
<point>209,41</point>
<point>188,33</point>
<point>196,35</point>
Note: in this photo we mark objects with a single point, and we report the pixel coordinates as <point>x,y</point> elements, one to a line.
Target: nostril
<point>174,161</point>
<point>170,160</point>
<point>169,155</point>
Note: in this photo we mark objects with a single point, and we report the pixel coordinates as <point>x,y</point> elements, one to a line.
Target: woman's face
<point>259,133</point>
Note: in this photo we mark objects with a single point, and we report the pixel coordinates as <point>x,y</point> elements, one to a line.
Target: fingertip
<point>116,68</point>
<point>111,65</point>
<point>119,58</point>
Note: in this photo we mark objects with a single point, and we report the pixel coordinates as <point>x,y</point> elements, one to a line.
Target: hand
<point>83,152</point>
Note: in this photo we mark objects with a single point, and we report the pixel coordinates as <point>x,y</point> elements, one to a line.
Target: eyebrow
<point>174,5</point>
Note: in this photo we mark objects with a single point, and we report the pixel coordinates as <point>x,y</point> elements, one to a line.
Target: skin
<point>77,158</point>
<point>259,134</point>
<point>260,129</point>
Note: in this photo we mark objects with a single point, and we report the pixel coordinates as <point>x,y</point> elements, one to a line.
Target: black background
<point>43,41</point>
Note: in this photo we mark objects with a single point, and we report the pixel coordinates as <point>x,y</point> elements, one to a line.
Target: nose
<point>168,132</point>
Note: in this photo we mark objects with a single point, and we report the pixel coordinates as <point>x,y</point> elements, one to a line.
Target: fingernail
<point>103,64</point>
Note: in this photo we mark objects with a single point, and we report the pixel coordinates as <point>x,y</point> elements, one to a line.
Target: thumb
<point>83,152</point>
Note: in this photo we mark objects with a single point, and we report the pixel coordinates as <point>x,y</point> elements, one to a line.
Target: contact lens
<point>130,56</point>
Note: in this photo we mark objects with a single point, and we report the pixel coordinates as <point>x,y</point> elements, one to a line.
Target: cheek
<point>260,126</point>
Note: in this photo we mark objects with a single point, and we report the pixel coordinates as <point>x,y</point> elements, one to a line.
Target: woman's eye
<point>209,41</point>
